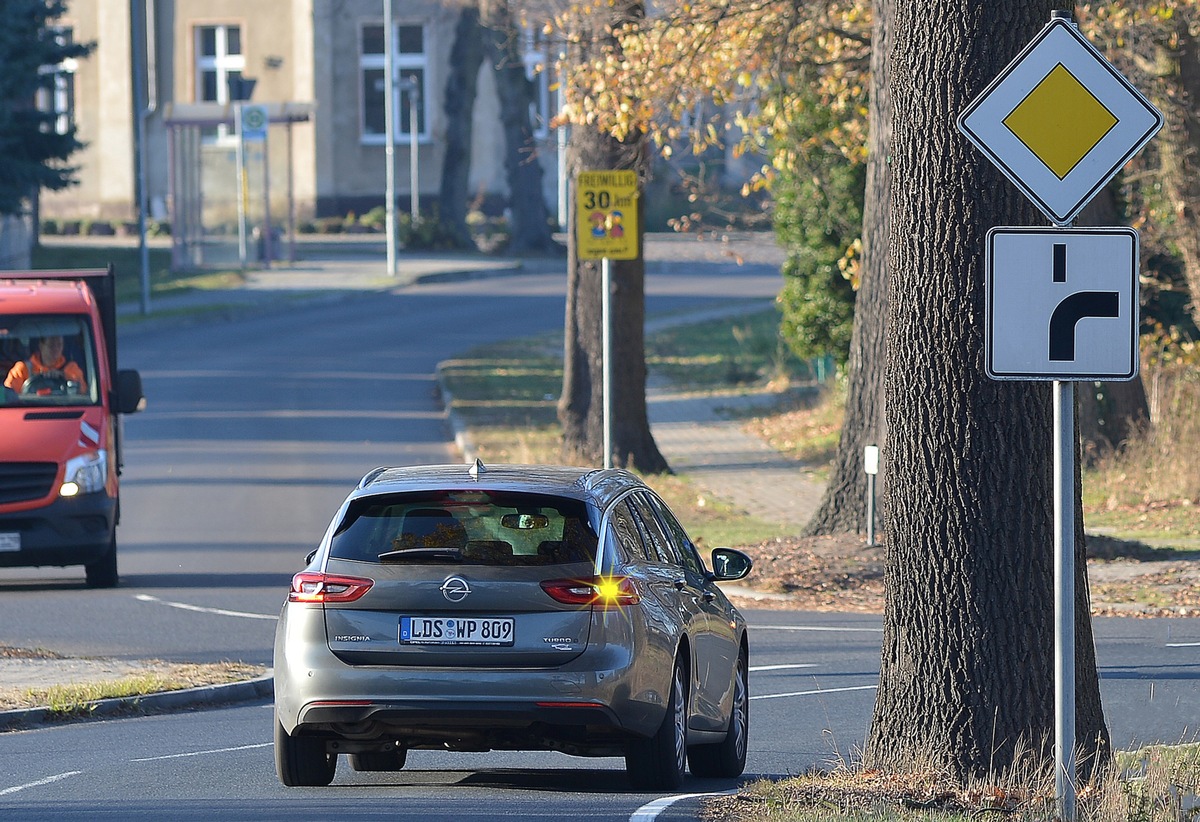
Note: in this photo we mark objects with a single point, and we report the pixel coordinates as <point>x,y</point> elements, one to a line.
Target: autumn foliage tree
<point>744,59</point>
<point>615,145</point>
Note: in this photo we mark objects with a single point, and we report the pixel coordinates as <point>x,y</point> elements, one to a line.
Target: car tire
<point>659,763</point>
<point>302,761</point>
<point>103,572</point>
<point>391,760</point>
<point>727,759</point>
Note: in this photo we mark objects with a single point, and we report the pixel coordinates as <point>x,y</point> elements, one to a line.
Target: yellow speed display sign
<point>606,215</point>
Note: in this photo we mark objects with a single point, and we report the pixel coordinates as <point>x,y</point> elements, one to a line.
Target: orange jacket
<point>22,371</point>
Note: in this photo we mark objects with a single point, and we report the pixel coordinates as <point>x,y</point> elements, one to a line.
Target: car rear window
<point>471,527</point>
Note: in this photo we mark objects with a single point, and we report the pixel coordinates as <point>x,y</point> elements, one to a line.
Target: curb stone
<point>201,696</point>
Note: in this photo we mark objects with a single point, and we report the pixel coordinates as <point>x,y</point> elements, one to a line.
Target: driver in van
<point>48,360</point>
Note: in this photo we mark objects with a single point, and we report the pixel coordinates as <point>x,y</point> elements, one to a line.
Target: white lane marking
<point>815,628</point>
<point>1183,644</point>
<point>202,753</point>
<point>218,611</point>
<point>650,811</point>
<point>817,692</point>
<point>757,668</point>
<point>39,783</point>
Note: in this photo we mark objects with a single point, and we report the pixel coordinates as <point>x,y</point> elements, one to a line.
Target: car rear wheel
<point>300,761</point>
<point>727,759</point>
<point>103,572</point>
<point>659,763</point>
<point>392,760</point>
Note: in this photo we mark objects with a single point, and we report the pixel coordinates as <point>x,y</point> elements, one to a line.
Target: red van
<point>60,432</point>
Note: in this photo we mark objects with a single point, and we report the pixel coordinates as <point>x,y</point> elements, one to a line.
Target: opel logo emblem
<point>455,589</point>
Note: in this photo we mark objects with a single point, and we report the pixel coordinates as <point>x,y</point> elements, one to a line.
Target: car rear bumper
<point>73,531</point>
<point>603,693</point>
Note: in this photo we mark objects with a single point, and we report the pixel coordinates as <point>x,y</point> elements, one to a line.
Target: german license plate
<point>10,541</point>
<point>457,630</point>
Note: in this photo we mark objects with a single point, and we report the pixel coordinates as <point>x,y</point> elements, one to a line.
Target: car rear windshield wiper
<point>422,555</point>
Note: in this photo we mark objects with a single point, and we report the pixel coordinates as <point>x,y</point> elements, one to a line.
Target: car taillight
<point>310,586</point>
<point>603,591</point>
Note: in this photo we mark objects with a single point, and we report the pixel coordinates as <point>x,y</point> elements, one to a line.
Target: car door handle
<point>680,584</point>
<point>709,596</point>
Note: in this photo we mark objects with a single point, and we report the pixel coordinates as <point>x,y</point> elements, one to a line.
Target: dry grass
<point>144,677</point>
<point>1151,485</point>
<point>1157,784</point>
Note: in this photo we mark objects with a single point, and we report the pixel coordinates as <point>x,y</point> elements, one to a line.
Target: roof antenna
<point>476,469</point>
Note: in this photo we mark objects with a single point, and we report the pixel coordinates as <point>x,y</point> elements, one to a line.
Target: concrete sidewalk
<point>692,431</point>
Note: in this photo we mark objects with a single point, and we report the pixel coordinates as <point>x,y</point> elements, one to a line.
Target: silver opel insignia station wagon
<point>477,608</point>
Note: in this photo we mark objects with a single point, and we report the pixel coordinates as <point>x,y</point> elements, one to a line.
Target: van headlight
<point>85,474</point>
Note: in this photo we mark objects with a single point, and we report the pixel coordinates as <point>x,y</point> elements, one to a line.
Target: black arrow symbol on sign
<point>1073,309</point>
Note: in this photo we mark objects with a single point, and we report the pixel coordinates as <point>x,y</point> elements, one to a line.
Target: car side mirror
<point>129,392</point>
<point>730,564</point>
<point>311,556</point>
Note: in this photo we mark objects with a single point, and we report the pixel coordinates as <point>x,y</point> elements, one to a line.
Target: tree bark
<point>843,507</point>
<point>530,228</point>
<point>1177,66</point>
<point>581,405</point>
<point>966,677</point>
<point>466,55</point>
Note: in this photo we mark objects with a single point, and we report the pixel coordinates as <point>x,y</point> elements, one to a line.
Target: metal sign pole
<point>242,192</point>
<point>606,321</point>
<point>414,162</point>
<point>268,250</point>
<point>389,134</point>
<point>1064,599</point>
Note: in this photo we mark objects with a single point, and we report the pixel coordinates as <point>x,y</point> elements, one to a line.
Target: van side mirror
<point>730,564</point>
<point>129,392</point>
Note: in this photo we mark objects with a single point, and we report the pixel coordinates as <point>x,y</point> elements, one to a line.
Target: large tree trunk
<point>466,55</point>
<point>581,406</point>
<point>530,229</point>
<point>843,508</point>
<point>1177,65</point>
<point>967,671</point>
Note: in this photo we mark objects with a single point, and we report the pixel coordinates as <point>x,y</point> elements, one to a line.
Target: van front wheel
<point>103,572</point>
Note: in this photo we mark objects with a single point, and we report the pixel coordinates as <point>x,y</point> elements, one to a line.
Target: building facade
<point>318,68</point>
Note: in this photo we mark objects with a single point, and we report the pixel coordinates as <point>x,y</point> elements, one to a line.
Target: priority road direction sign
<point>1060,121</point>
<point>1062,304</point>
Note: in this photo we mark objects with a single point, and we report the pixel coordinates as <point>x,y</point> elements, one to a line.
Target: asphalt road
<point>256,430</point>
<point>812,685</point>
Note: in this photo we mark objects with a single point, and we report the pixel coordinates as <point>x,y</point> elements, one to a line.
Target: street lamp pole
<point>389,129</point>
<point>411,85</point>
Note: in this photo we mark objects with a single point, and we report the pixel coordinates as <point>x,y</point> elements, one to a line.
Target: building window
<point>56,94</point>
<point>411,64</point>
<point>219,61</point>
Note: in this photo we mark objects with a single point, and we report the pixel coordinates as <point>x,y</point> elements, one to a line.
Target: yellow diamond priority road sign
<point>1060,121</point>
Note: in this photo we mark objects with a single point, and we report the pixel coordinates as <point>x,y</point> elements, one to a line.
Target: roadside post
<point>1061,303</point>
<point>871,469</point>
<point>606,229</point>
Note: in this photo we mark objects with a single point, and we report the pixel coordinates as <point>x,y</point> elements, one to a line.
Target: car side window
<point>628,534</point>
<point>664,550</point>
<point>679,537</point>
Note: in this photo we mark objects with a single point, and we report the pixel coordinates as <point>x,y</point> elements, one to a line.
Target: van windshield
<point>47,360</point>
